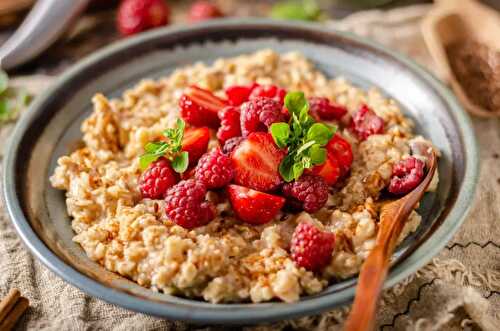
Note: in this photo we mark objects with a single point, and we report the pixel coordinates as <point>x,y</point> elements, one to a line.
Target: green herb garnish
<point>170,149</point>
<point>304,138</point>
<point>12,100</point>
<point>306,10</point>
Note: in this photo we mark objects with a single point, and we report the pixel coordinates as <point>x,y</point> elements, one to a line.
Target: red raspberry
<point>229,123</point>
<point>269,91</point>
<point>214,169</point>
<point>258,114</point>
<point>322,109</point>
<point>365,123</point>
<point>311,248</point>
<point>203,10</point>
<point>309,192</point>
<point>157,178</point>
<point>237,94</point>
<point>185,204</point>
<point>406,175</point>
<point>231,144</point>
<point>135,16</point>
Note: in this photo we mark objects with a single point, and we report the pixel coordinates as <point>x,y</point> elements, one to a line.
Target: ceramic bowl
<point>52,125</point>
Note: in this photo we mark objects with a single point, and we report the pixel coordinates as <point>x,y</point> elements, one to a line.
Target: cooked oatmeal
<point>226,260</point>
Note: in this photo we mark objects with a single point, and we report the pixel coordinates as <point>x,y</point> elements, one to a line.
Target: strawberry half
<point>252,206</point>
<point>199,107</point>
<point>195,142</point>
<point>330,170</point>
<point>237,94</point>
<point>256,161</point>
<point>339,149</point>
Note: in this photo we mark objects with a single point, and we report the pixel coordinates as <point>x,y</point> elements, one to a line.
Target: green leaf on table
<point>4,81</point>
<point>180,162</point>
<point>306,10</point>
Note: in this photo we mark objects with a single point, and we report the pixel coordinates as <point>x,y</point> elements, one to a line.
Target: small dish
<point>51,127</point>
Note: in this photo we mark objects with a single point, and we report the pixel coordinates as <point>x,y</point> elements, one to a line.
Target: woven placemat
<point>458,290</point>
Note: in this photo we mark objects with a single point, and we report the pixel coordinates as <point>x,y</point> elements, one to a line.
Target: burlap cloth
<point>459,289</point>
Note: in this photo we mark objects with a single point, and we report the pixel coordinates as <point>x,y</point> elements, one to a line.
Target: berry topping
<point>237,94</point>
<point>157,178</point>
<point>231,144</point>
<point>330,170</point>
<point>135,16</point>
<point>269,91</point>
<point>365,123</point>
<point>322,109</point>
<point>256,161</point>
<point>252,206</point>
<point>339,149</point>
<point>229,123</point>
<point>195,142</point>
<point>311,248</point>
<point>203,10</point>
<point>214,169</point>
<point>185,204</point>
<point>309,192</point>
<point>406,175</point>
<point>199,107</point>
<point>258,114</point>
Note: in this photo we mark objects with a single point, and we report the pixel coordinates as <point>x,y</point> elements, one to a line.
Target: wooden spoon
<point>452,21</point>
<point>393,217</point>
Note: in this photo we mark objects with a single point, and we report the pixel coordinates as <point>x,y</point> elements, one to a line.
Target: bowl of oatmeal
<point>233,172</point>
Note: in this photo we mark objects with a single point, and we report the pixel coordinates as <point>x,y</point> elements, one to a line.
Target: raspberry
<point>203,10</point>
<point>309,192</point>
<point>406,175</point>
<point>258,114</point>
<point>135,16</point>
<point>185,204</point>
<point>269,91</point>
<point>231,144</point>
<point>322,109</point>
<point>229,123</point>
<point>365,123</point>
<point>214,169</point>
<point>311,248</point>
<point>157,178</point>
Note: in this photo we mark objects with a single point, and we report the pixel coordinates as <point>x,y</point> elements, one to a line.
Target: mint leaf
<point>153,147</point>
<point>296,102</point>
<point>280,133</point>
<point>146,159</point>
<point>303,148</point>
<point>306,10</point>
<point>298,170</point>
<point>180,162</point>
<point>4,81</point>
<point>317,154</point>
<point>286,168</point>
<point>319,133</point>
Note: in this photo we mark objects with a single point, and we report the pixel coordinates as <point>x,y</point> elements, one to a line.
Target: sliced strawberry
<point>199,107</point>
<point>195,142</point>
<point>330,170</point>
<point>252,206</point>
<point>237,94</point>
<point>256,161</point>
<point>339,149</point>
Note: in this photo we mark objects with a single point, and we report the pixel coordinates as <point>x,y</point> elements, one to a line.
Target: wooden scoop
<point>393,217</point>
<point>451,21</point>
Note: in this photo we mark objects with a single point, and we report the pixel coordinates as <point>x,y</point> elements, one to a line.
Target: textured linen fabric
<point>458,290</point>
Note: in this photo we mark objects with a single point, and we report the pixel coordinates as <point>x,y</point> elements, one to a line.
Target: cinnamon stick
<point>8,323</point>
<point>8,302</point>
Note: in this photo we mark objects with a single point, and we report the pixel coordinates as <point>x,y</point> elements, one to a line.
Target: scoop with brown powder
<point>477,69</point>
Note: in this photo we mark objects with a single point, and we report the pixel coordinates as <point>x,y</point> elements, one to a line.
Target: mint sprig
<point>170,149</point>
<point>304,138</point>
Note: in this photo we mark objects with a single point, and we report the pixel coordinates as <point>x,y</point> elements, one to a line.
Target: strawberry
<point>135,16</point>
<point>330,170</point>
<point>256,161</point>
<point>339,149</point>
<point>252,206</point>
<point>237,94</point>
<point>199,107</point>
<point>195,142</point>
<point>311,247</point>
<point>269,91</point>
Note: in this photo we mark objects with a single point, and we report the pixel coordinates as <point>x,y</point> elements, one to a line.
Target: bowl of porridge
<point>234,172</point>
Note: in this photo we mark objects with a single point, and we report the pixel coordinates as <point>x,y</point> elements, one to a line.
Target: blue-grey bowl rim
<point>253,313</point>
